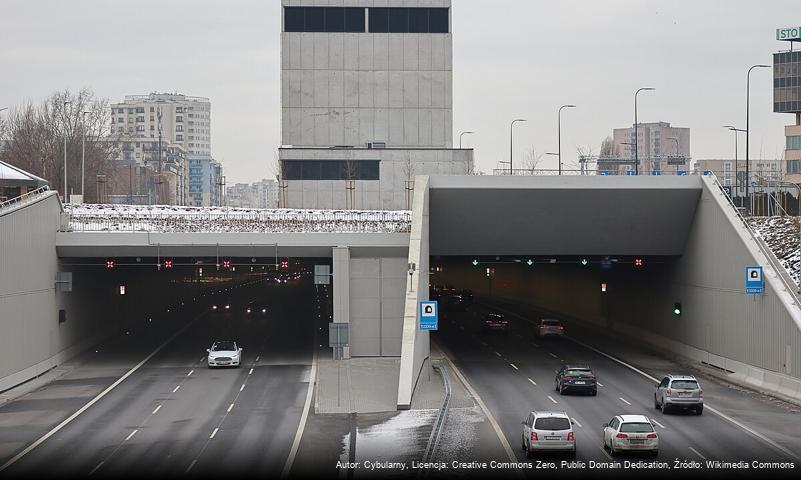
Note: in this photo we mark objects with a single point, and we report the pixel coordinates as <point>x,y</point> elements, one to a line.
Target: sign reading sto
<point>788,34</point>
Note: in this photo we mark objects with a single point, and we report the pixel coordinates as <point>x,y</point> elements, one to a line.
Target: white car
<point>630,433</point>
<point>548,432</point>
<point>224,354</point>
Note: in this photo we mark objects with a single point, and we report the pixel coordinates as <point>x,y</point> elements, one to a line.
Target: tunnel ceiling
<point>568,215</point>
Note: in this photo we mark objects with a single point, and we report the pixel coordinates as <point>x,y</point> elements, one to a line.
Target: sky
<point>512,59</point>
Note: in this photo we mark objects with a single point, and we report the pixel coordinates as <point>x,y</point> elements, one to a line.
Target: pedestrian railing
<point>114,218</point>
<point>24,198</point>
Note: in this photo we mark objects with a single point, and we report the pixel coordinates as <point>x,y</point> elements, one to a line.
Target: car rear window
<point>685,384</point>
<point>579,373</point>
<point>636,427</point>
<point>552,423</point>
<point>551,323</point>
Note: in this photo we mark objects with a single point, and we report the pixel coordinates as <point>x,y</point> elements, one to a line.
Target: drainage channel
<point>439,424</point>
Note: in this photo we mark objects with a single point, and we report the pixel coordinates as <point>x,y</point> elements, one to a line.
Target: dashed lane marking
<point>624,400</point>
<point>156,410</point>
<point>551,399</point>
<point>214,432</point>
<point>532,382</point>
<point>130,435</point>
<point>697,453</point>
<point>514,366</point>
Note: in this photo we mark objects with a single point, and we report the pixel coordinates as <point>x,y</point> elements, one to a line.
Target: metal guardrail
<point>780,270</point>
<point>439,424</point>
<point>222,221</point>
<point>13,202</point>
<point>525,172</point>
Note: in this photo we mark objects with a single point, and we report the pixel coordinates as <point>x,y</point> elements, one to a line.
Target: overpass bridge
<point>694,241</point>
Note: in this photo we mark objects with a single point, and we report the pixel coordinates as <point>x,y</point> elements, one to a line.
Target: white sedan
<point>224,354</point>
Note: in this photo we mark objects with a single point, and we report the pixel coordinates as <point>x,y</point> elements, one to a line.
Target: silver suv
<point>679,391</point>
<point>548,432</point>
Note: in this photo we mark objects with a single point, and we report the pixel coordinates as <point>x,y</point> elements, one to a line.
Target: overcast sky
<point>512,58</point>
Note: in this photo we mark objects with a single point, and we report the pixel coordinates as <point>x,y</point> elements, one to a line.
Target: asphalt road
<point>514,374</point>
<point>175,416</point>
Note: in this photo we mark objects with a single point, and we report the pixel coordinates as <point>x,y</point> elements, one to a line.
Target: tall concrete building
<point>366,102</point>
<point>185,120</point>
<point>262,194</point>
<point>787,97</point>
<point>660,147</point>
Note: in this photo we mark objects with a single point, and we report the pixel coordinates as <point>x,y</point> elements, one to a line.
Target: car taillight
<point>570,437</point>
<point>214,307</point>
<point>534,435</point>
<point>668,392</point>
<point>568,377</point>
<point>560,327</point>
<point>651,435</point>
<point>700,392</point>
<point>621,435</point>
<point>504,322</point>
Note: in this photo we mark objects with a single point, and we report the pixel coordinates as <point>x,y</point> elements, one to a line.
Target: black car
<point>575,378</point>
<point>495,322</point>
<point>456,302</point>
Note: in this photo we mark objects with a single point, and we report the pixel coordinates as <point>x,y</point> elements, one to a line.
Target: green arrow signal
<point>475,262</point>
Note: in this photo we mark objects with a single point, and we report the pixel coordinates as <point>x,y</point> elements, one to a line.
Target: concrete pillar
<point>341,287</point>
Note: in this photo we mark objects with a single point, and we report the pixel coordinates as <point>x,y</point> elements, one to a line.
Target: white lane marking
<point>91,402</point>
<point>250,372</point>
<point>535,345</point>
<point>290,459</point>
<point>551,354</point>
<point>551,399</point>
<point>484,343</point>
<point>176,389</point>
<point>606,453</point>
<point>697,453</point>
<point>230,407</point>
<point>156,410</point>
<point>600,384</point>
<point>717,412</point>
<point>257,357</point>
<point>131,435</point>
<point>242,387</point>
<point>653,420</point>
<point>514,366</point>
<point>532,382</point>
<point>190,373</point>
<point>214,432</point>
<point>191,465</point>
<point>501,436</point>
<point>96,468</point>
<point>498,354</point>
<point>624,400</point>
<point>578,423</point>
<point>202,358</point>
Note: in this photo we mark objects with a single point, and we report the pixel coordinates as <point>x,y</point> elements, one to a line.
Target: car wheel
<point>594,393</point>
<point>561,389</point>
<point>699,410</point>
<point>612,452</point>
<point>656,404</point>
<point>555,386</point>
<point>572,454</point>
<point>529,453</point>
<point>523,438</point>
<point>655,453</point>
<point>664,407</point>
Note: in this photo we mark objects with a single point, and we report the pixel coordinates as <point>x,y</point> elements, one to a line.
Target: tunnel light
<point>677,308</point>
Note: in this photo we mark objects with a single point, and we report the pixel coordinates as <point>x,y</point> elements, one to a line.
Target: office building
<point>787,97</point>
<point>206,183</point>
<point>366,102</point>
<point>262,194</point>
<point>660,148</point>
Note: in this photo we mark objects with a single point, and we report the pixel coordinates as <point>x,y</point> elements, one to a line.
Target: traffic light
<point>109,264</point>
<point>226,264</point>
<point>475,262</point>
<point>677,308</point>
<point>603,287</point>
<point>167,263</point>
<point>529,262</point>
<point>284,264</point>
<point>638,262</point>
<point>585,262</point>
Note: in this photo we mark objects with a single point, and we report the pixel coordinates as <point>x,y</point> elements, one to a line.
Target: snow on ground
<point>782,236</point>
<point>168,218</point>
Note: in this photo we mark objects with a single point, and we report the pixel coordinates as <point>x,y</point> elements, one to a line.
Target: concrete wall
<point>353,88</point>
<point>376,305</point>
<point>388,193</point>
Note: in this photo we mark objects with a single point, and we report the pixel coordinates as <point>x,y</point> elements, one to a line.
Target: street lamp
<point>747,126</point>
<point>636,139</point>
<point>460,138</point>
<point>83,150</point>
<point>559,133</point>
<point>511,142</point>
<point>736,138</point>
<point>66,103</point>
<point>677,149</point>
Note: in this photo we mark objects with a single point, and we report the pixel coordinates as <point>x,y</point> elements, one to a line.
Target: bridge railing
<point>600,172</point>
<point>109,218</point>
<point>25,197</point>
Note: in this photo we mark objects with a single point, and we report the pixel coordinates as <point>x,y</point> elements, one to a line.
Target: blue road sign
<point>630,173</point>
<point>429,316</point>
<point>754,281</point>
<point>681,172</point>
<point>604,172</point>
<point>656,172</point>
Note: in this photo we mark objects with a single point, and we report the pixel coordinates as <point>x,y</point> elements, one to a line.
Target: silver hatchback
<point>679,391</point>
<point>548,432</point>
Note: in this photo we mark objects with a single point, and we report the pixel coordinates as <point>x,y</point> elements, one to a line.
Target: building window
<point>330,170</point>
<point>324,19</point>
<point>179,119</point>
<point>179,128</point>
<point>408,20</point>
<point>140,119</point>
<point>794,142</point>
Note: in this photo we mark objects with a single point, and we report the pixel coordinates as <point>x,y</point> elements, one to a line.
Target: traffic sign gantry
<point>429,315</point>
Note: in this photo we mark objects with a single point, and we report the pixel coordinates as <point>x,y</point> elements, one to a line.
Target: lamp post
<point>736,138</point>
<point>511,142</point>
<point>630,145</point>
<point>83,151</point>
<point>460,138</point>
<point>67,102</point>
<point>636,139</point>
<point>677,149</point>
<point>747,126</point>
<point>559,134</point>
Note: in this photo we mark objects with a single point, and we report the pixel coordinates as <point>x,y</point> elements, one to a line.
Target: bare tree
<point>607,147</point>
<point>34,139</point>
<point>532,158</point>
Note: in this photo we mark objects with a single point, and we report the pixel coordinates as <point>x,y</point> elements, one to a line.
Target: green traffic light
<point>475,262</point>
<point>529,262</point>
<point>585,262</point>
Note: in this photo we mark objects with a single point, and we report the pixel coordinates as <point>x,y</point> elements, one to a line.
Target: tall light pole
<point>67,102</point>
<point>736,138</point>
<point>677,149</point>
<point>460,138</point>
<point>559,134</point>
<point>747,128</point>
<point>511,142</point>
<point>83,151</point>
<point>636,134</point>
